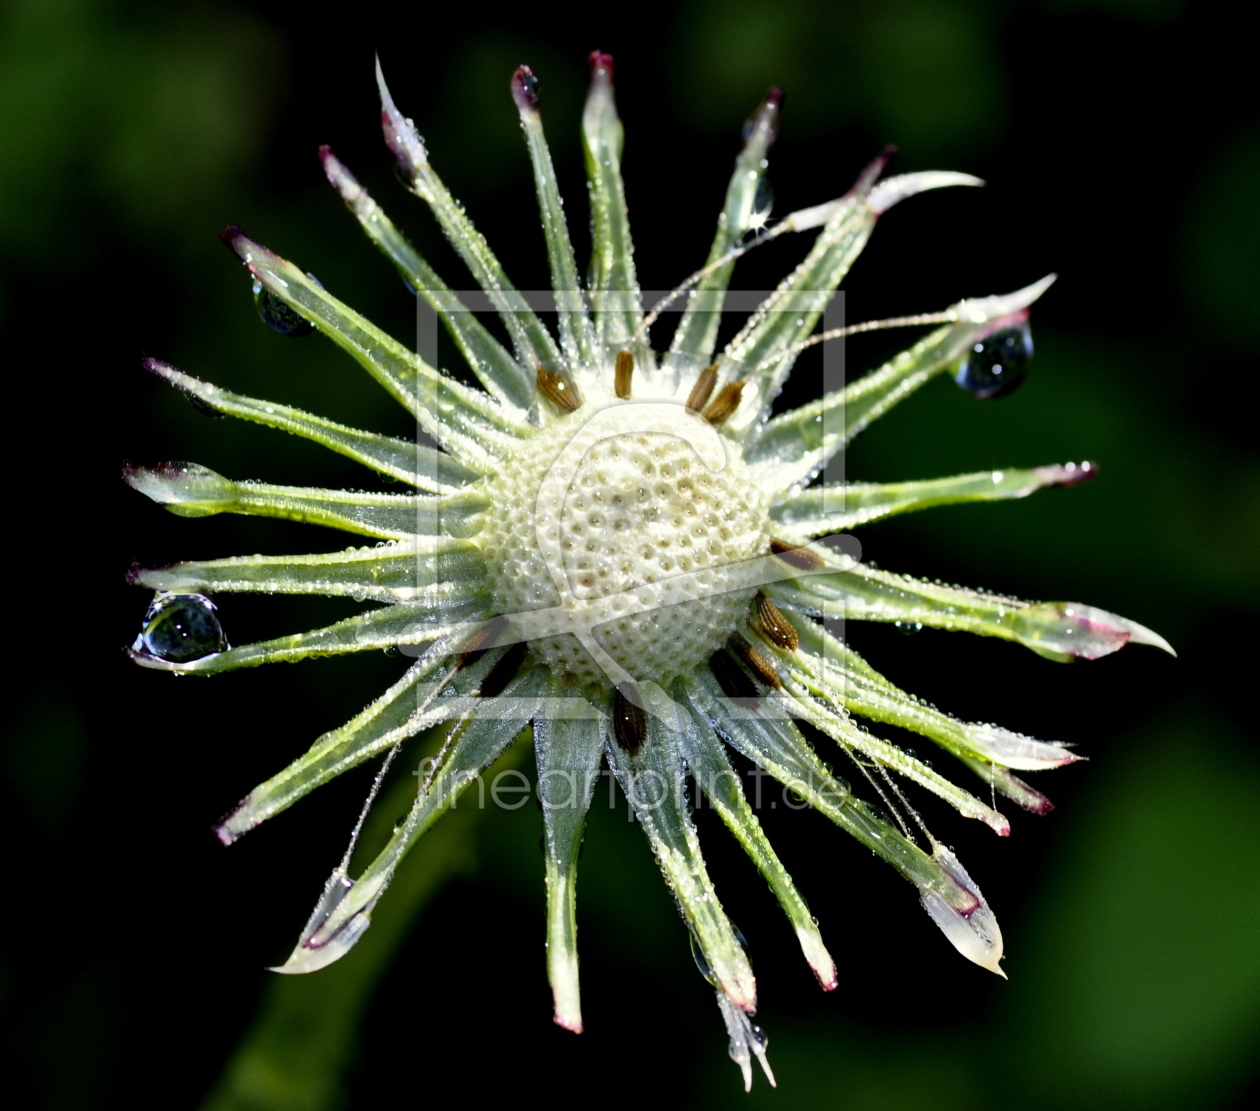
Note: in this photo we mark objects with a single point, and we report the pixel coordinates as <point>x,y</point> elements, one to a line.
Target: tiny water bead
<point>181,627</point>
<point>996,364</point>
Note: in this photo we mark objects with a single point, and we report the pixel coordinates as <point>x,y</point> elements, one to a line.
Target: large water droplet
<point>181,627</point>
<point>278,316</point>
<point>996,364</point>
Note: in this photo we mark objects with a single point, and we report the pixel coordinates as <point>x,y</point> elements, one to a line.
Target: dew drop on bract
<point>701,961</point>
<point>181,627</point>
<point>204,407</point>
<point>278,316</point>
<point>996,364</point>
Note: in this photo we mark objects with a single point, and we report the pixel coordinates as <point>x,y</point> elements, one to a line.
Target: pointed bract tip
<point>241,245</point>
<point>763,125</point>
<point>870,173</point>
<point>231,235</point>
<point>962,915</point>
<point>1140,634</point>
<point>224,835</point>
<point>1097,632</point>
<point>896,189</point>
<point>999,823</point>
<point>820,961</point>
<point>331,163</point>
<point>601,66</point>
<point>1069,474</point>
<point>525,89</point>
<point>229,829</point>
<point>339,177</point>
<point>401,135</point>
<point>572,1023</point>
<point>979,310</point>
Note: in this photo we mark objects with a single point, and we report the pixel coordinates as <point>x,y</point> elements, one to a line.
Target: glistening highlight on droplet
<point>181,627</point>
<point>997,364</point>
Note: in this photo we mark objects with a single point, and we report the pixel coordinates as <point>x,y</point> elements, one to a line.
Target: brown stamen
<point>726,402</point>
<point>734,683</point>
<point>556,388</point>
<point>481,641</point>
<point>757,663</point>
<point>703,389</point>
<point>796,555</point>
<point>504,671</point>
<point>622,374</point>
<point>629,723</point>
<point>776,628</point>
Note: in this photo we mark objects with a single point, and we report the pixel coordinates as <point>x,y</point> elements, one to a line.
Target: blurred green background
<point>1121,144</point>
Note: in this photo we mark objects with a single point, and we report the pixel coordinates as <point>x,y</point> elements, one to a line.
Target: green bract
<point>620,548</point>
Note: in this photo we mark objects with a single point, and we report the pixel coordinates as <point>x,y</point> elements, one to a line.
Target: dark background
<point>1122,149</point>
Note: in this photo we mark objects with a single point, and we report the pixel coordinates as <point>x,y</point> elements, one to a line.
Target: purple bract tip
<point>525,89</point>
<point>601,65</point>
<point>338,176</point>
<point>233,237</point>
<point>1074,474</point>
<point>869,176</point>
<point>765,121</point>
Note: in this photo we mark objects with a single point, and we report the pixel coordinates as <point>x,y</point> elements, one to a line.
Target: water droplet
<point>996,364</point>
<point>909,627</point>
<point>701,963</point>
<point>204,407</point>
<point>278,316</point>
<point>181,627</point>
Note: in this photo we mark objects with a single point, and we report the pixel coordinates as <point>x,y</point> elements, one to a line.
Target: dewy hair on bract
<point>622,549</point>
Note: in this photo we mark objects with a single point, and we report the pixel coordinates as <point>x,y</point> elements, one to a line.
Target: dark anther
<point>622,375</point>
<point>757,663</point>
<point>481,640</point>
<point>629,722</point>
<point>504,671</point>
<point>803,558</point>
<point>558,389</point>
<point>734,683</point>
<point>703,389</point>
<point>776,628</point>
<point>726,402</point>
